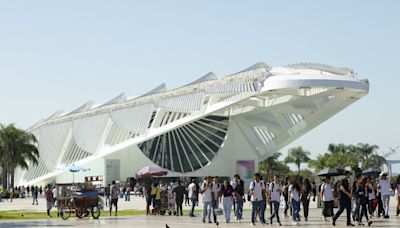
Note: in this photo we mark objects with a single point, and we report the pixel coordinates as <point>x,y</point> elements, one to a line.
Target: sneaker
<point>333,222</point>
<point>361,224</point>
<point>369,223</point>
<point>252,224</point>
<point>294,223</point>
<point>204,220</point>
<point>351,224</point>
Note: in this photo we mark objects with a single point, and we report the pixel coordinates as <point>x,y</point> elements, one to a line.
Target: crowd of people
<point>364,198</point>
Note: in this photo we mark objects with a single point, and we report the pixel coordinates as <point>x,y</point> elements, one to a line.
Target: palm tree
<point>366,151</point>
<point>18,149</point>
<point>320,162</point>
<point>270,166</point>
<point>297,155</point>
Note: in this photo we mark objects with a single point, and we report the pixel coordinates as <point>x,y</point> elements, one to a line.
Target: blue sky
<point>59,54</point>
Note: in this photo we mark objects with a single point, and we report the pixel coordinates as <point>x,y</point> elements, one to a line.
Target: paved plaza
<point>177,222</point>
<point>160,221</point>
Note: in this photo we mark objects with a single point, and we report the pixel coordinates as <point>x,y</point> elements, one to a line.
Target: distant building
<point>209,127</point>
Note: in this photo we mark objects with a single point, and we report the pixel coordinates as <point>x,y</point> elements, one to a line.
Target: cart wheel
<point>65,212</point>
<point>79,213</point>
<point>162,212</point>
<point>95,212</point>
<point>169,213</point>
<point>86,214</point>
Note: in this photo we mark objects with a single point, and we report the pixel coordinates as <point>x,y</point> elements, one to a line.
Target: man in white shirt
<point>275,193</point>
<point>206,192</point>
<point>192,194</point>
<point>326,192</point>
<point>384,189</point>
<point>257,192</point>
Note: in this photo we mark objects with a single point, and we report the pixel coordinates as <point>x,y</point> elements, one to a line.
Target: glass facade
<point>189,147</point>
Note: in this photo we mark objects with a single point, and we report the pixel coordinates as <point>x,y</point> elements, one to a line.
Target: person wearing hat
<point>344,199</point>
<point>384,189</point>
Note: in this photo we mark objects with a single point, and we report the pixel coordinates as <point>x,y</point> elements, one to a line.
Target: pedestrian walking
<point>179,192</point>
<point>294,199</point>
<point>216,196</point>
<point>35,193</point>
<point>207,198</point>
<point>384,189</point>
<point>361,194</point>
<point>326,194</point>
<point>49,199</point>
<point>306,192</point>
<point>114,197</point>
<point>239,197</point>
<point>227,192</point>
<point>257,192</point>
<point>192,194</point>
<point>107,191</point>
<point>344,199</point>
<point>275,190</point>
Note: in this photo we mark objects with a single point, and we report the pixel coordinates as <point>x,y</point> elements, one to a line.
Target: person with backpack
<point>344,199</point>
<point>257,192</point>
<point>238,197</point>
<point>326,194</point>
<point>275,190</point>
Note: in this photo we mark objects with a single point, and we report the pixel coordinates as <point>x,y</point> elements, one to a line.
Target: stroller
<point>167,202</point>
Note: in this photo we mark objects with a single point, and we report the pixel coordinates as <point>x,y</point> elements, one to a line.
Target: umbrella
<point>330,172</point>
<point>74,169</point>
<point>151,171</point>
<point>371,172</point>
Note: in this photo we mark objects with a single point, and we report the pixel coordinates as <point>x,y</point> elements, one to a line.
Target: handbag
<point>218,211</point>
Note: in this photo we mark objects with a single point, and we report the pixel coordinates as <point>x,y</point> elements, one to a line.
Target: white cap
<point>383,172</point>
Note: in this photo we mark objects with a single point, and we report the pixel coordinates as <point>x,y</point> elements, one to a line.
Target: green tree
<point>270,167</point>
<point>297,156</point>
<point>17,149</point>
<point>320,162</point>
<point>365,152</point>
<point>343,156</point>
